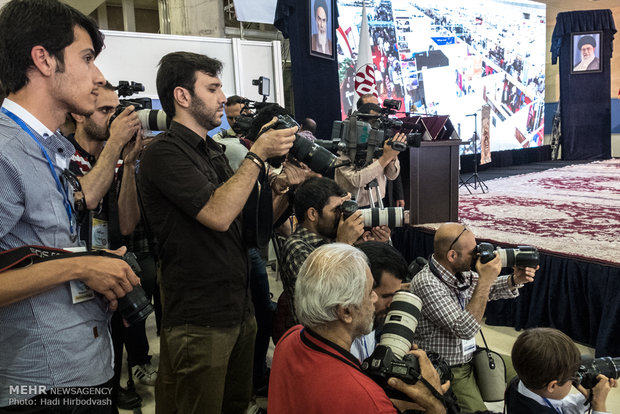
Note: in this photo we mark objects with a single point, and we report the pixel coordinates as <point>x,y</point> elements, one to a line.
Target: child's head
<point>546,360</point>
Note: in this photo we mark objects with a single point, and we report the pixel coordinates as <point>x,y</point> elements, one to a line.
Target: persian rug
<point>572,211</point>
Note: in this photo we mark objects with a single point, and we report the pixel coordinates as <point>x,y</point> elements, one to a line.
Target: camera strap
<point>31,254</point>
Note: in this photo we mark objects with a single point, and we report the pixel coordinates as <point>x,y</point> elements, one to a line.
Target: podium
<point>430,175</point>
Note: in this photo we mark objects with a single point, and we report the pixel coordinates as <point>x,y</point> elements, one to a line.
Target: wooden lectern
<point>430,175</point>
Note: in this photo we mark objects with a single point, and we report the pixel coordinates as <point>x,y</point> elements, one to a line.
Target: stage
<point>572,215</point>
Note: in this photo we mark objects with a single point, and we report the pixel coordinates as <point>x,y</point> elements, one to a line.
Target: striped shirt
<point>445,322</point>
<point>45,340</point>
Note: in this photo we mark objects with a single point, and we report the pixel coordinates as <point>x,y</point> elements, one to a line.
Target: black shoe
<point>128,399</point>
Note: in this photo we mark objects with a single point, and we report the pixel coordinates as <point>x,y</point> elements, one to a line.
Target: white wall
<point>134,57</point>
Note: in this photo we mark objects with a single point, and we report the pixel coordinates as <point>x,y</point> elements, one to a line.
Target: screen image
<point>447,57</point>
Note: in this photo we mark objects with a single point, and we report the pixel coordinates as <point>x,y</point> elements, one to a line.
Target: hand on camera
<point>489,271</point>
<point>111,277</point>
<point>351,229</point>
<point>273,142</point>
<point>419,392</point>
<point>378,233</point>
<point>600,392</point>
<point>132,150</point>
<point>124,126</point>
<point>524,275</point>
<point>389,153</point>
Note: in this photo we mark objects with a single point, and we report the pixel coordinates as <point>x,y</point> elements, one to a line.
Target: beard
<point>326,229</point>
<point>322,36</point>
<point>96,132</point>
<point>204,116</point>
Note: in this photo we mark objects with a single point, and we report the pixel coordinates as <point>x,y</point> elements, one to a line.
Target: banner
<point>364,69</point>
<point>485,135</point>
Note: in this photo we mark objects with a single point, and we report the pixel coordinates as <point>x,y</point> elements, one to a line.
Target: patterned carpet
<point>572,211</point>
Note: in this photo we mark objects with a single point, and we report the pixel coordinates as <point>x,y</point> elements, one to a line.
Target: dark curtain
<point>577,297</point>
<point>585,104</point>
<point>315,79</point>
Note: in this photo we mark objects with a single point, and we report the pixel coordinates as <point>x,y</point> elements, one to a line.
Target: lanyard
<point>61,189</point>
<point>559,410</point>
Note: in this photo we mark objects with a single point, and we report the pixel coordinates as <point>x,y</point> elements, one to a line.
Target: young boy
<point>546,361</point>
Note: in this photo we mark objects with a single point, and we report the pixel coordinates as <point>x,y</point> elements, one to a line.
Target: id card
<point>99,233</point>
<point>79,291</point>
<point>469,346</point>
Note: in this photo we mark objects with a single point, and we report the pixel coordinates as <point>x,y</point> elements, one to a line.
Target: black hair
<point>108,86</point>
<point>263,116</point>
<point>383,257</point>
<point>361,102</point>
<point>234,100</point>
<point>179,69</point>
<point>320,3</point>
<point>314,192</point>
<point>25,24</point>
<point>309,124</point>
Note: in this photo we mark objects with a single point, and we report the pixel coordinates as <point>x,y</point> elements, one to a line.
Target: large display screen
<point>452,57</point>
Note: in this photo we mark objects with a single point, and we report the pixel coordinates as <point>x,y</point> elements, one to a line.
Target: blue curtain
<point>315,79</point>
<point>585,104</point>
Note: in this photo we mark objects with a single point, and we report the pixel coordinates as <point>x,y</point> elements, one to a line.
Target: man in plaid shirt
<point>454,298</point>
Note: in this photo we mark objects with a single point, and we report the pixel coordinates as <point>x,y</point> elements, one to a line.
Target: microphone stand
<point>475,179</point>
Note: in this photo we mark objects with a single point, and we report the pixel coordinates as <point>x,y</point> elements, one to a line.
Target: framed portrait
<point>322,39</point>
<point>586,52</point>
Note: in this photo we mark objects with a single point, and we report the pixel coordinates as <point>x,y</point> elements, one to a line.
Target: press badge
<point>99,233</point>
<point>469,346</point>
<point>79,291</point>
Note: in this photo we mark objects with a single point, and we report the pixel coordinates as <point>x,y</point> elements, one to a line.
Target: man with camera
<point>107,144</point>
<point>355,178</point>
<point>193,203</point>
<point>313,370</point>
<point>455,287</point>
<point>54,326</point>
<point>317,207</point>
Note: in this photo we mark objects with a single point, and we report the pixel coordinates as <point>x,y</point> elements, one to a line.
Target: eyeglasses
<point>457,238</point>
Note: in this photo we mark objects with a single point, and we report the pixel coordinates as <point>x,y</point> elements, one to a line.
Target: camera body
<point>591,368</point>
<point>521,256</point>
<point>317,158</point>
<point>388,216</point>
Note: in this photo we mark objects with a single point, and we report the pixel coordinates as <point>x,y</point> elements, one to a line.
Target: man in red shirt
<point>313,370</point>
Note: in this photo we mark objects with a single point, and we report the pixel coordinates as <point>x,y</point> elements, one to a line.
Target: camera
<point>391,357</point>
<point>591,368</point>
<point>151,119</point>
<point>521,256</point>
<point>374,216</point>
<point>134,306</point>
<point>317,158</point>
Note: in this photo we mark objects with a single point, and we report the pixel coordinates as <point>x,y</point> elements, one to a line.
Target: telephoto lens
<point>153,119</point>
<point>134,306</point>
<point>387,216</point>
<point>521,256</point>
<point>401,322</point>
<point>591,368</point>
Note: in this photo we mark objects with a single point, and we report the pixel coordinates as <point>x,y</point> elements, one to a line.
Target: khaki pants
<point>466,390</point>
<point>205,369</point>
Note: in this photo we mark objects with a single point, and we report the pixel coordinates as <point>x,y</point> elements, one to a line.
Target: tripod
<point>475,179</point>
<point>374,184</point>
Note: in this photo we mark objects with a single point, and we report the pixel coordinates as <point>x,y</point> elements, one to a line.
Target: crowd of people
<point>81,184</point>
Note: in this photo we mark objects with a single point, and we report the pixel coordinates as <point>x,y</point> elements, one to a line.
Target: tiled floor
<point>499,339</point>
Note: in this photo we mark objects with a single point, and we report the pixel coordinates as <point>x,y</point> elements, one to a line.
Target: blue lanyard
<point>61,189</point>
<point>552,406</point>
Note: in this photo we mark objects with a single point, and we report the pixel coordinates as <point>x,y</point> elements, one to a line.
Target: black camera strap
<point>30,254</point>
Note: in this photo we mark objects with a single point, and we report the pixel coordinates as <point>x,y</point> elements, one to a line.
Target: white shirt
<point>571,404</point>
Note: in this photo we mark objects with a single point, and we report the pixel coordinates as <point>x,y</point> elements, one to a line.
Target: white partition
<point>134,57</point>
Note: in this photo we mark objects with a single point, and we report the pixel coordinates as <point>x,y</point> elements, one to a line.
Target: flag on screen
<point>364,69</point>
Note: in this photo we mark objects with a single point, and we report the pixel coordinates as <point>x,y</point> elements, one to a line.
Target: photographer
<point>454,297</point>
<point>313,370</point>
<point>547,361</point>
<point>97,143</point>
<point>54,327</point>
<point>354,179</point>
<point>193,203</point>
